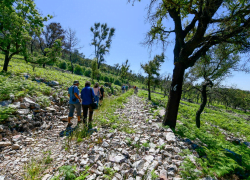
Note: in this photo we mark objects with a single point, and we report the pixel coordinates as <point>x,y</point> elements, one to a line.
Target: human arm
<point>76,95</point>
<point>100,92</point>
<point>93,94</point>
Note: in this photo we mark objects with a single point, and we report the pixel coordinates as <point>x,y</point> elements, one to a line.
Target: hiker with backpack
<point>123,89</point>
<point>87,95</point>
<point>102,93</point>
<point>135,90</point>
<point>74,102</point>
<point>97,92</point>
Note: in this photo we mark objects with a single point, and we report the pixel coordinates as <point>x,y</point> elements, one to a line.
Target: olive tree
<point>102,40</point>
<point>197,26</point>
<point>17,18</point>
<point>124,70</point>
<point>152,69</point>
<point>212,68</point>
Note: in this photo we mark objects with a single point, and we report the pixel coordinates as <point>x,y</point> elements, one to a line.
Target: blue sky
<point>131,28</point>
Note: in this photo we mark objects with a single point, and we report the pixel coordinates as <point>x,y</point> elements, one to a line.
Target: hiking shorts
<point>72,108</point>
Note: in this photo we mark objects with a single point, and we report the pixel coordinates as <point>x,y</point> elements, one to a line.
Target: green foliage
<point>20,87</point>
<point>54,52</point>
<point>129,142</point>
<point>154,176</point>
<point>63,65</point>
<point>95,73</point>
<point>68,172</point>
<point>32,170</point>
<point>118,82</point>
<point>84,174</point>
<point>124,70</point>
<point>106,79</point>
<point>43,101</point>
<point>81,132</point>
<point>146,145</point>
<point>5,112</point>
<point>78,70</point>
<point>188,170</point>
<point>88,72</point>
<point>152,69</point>
<point>102,41</point>
<point>217,63</point>
<point>105,115</point>
<point>214,159</point>
<point>109,173</point>
<point>19,18</point>
<point>161,147</point>
<point>48,159</point>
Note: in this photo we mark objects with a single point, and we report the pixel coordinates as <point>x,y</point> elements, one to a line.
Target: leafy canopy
<point>217,63</point>
<point>102,40</point>
<point>198,25</point>
<point>17,18</point>
<point>153,66</point>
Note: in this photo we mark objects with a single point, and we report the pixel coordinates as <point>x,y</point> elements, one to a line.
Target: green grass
<point>20,87</point>
<point>105,116</point>
<point>109,173</point>
<point>214,161</point>
<point>13,82</point>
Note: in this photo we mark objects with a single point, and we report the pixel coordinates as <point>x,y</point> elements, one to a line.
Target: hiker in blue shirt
<point>123,88</point>
<point>87,95</point>
<point>74,102</point>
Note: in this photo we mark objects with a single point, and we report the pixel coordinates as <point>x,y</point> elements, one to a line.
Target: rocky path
<point>150,151</point>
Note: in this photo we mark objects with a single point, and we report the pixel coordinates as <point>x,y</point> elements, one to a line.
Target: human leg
<point>71,112</point>
<point>97,99</point>
<point>85,113</point>
<point>78,110</point>
<point>90,116</point>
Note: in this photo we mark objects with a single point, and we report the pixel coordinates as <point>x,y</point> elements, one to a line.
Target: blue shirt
<point>87,95</point>
<point>72,96</point>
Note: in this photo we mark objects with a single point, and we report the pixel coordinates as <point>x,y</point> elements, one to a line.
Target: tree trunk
<point>6,62</point>
<point>26,59</point>
<point>174,96</point>
<point>31,48</point>
<point>203,104</point>
<point>7,59</point>
<point>98,65</point>
<point>72,68</point>
<point>44,65</point>
<point>149,93</point>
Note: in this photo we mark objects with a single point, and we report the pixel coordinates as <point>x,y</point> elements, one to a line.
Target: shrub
<point>87,72</point>
<point>69,67</point>
<point>118,82</point>
<point>63,65</point>
<point>5,112</point>
<point>78,70</point>
<point>106,79</point>
<point>111,79</point>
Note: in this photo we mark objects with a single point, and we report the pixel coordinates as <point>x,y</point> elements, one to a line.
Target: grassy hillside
<point>221,131</point>
<point>14,82</point>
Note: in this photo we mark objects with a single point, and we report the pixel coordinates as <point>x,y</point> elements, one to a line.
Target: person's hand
<point>80,100</point>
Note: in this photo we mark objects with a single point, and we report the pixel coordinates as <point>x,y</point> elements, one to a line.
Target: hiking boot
<point>69,124</point>
<point>79,122</point>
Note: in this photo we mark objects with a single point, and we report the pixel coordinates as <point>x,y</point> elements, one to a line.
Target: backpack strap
<point>91,94</point>
<point>73,89</point>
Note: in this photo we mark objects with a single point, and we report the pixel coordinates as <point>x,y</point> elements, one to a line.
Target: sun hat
<point>76,82</point>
